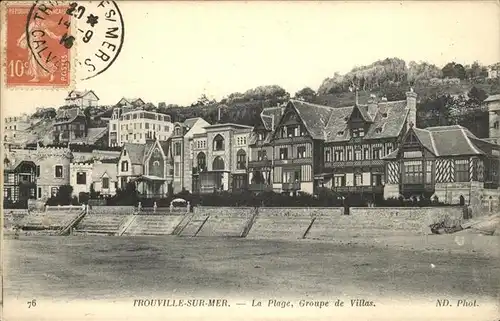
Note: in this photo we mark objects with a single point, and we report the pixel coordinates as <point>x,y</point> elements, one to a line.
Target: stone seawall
<point>117,210</point>
<point>224,221</point>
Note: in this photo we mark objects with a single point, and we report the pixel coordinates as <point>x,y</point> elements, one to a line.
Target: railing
<point>351,163</point>
<point>359,189</point>
<point>260,187</point>
<point>295,139</point>
<point>260,163</point>
<point>291,186</point>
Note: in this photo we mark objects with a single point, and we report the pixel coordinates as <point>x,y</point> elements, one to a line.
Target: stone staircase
<point>153,224</point>
<point>50,220</point>
<point>100,224</point>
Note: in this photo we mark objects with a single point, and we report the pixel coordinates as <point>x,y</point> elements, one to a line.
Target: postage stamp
<point>43,36</point>
<point>34,56</point>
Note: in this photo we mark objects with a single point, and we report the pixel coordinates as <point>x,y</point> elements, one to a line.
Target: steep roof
<point>135,152</point>
<point>443,141</point>
<point>99,169</point>
<point>315,117</point>
<point>387,122</point>
<point>93,134</point>
<point>492,98</point>
<point>270,116</point>
<point>75,94</point>
<point>68,115</point>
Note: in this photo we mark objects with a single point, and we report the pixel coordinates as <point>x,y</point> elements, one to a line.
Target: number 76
<point>31,304</point>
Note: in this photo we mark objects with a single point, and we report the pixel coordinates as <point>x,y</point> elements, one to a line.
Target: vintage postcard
<point>250,160</point>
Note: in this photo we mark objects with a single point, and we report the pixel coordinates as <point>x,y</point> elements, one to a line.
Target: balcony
<point>291,186</point>
<point>290,140</point>
<point>260,187</point>
<point>378,189</point>
<point>355,163</point>
<point>260,163</point>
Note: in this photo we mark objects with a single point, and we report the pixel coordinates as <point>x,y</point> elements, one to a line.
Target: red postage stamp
<point>35,54</point>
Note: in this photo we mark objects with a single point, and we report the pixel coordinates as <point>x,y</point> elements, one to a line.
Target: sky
<point>175,51</point>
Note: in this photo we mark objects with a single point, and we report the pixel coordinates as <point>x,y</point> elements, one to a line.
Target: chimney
<point>218,115</point>
<point>372,106</point>
<point>411,104</point>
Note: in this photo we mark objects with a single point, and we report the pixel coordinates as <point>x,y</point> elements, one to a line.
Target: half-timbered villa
<point>357,138</point>
<point>447,162</point>
<point>261,152</point>
<point>70,125</point>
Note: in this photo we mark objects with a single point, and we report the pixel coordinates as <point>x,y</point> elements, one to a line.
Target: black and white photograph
<point>251,160</point>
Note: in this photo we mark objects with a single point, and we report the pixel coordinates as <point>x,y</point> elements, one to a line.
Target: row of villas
<point>372,150</point>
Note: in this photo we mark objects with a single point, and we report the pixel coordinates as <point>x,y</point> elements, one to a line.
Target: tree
<point>454,70</point>
<point>306,94</point>
<point>477,95</point>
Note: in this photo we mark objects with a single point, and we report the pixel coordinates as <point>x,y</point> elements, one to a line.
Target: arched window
<point>218,164</point>
<point>219,142</point>
<point>201,160</point>
<point>241,159</point>
<point>177,131</point>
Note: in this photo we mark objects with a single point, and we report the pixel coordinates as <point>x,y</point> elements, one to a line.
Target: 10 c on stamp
<point>42,38</point>
<point>23,67</point>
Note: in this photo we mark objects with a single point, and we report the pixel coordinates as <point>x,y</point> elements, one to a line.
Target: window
<point>358,132</point>
<point>339,180</point>
<point>376,153</point>
<point>177,169</point>
<point>239,181</point>
<point>261,155</point>
<point>358,179</point>
<point>105,182</point>
<point>349,155</point>
<point>260,136</point>
<point>140,125</point>
<point>241,159</point>
<point>177,149</point>
<point>81,178</point>
<point>165,128</point>
<point>428,172</point>
<point>218,143</point>
<point>37,170</point>
<point>389,149</point>
<point>496,125</point>
<point>377,180</point>
<point>114,126</point>
<point>58,171</point>
<point>177,130</point>
<point>201,160</point>
<point>357,154</point>
<point>301,152</point>
<point>338,155</point>
<point>146,125</point>
<point>39,192</point>
<point>124,152</point>
<point>54,191</point>
<point>218,164</point>
<point>366,153</point>
<point>328,156</point>
<point>412,172</point>
<point>283,132</point>
<point>291,176</point>
<point>461,170</point>
<point>284,153</point>
<point>124,166</point>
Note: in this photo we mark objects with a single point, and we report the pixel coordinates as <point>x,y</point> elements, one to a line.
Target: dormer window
<point>384,115</point>
<point>358,132</point>
<point>260,136</point>
<point>378,130</point>
<point>340,133</point>
<point>283,132</point>
<point>177,131</point>
<point>124,152</point>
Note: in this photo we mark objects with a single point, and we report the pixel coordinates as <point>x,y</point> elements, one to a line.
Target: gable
<point>91,95</point>
<point>290,117</point>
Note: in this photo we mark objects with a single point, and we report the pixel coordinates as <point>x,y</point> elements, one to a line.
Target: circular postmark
<point>53,28</point>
